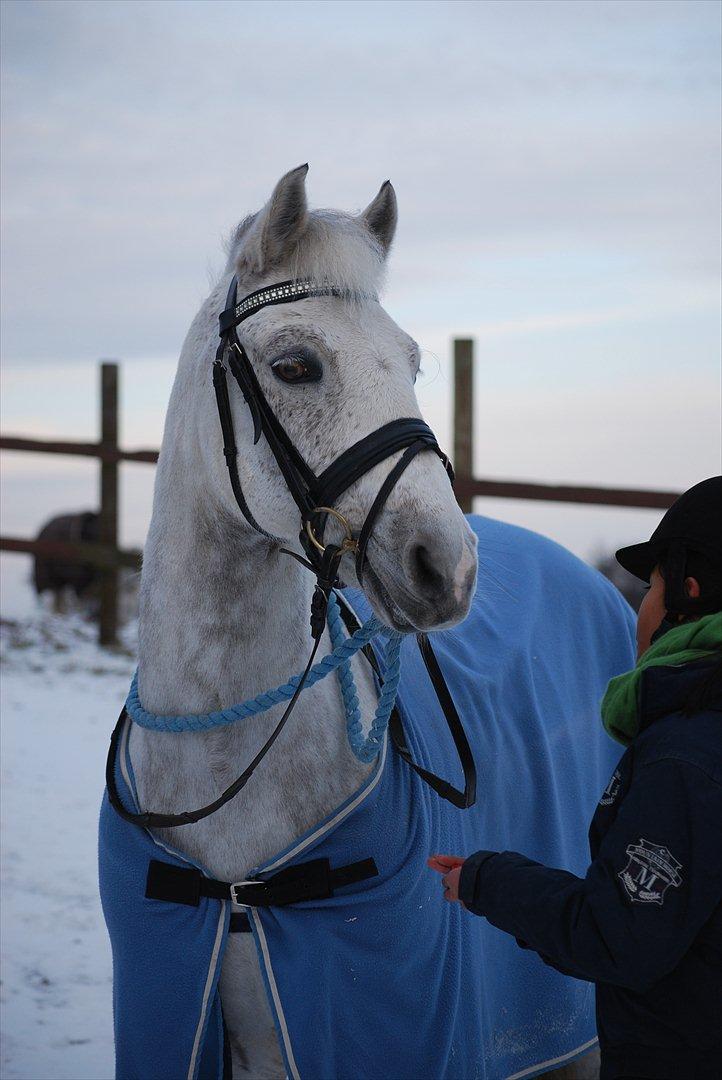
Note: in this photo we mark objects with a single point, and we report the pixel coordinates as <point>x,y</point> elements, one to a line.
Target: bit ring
<point>349,542</point>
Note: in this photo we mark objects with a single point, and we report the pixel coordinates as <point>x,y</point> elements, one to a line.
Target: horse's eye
<point>296,369</point>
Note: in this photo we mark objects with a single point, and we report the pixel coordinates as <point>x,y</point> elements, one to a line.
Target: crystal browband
<point>282,293</point>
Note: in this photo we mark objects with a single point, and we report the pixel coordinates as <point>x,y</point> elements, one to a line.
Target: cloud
<point>132,143</point>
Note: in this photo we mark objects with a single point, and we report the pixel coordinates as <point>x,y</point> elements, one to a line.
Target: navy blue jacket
<point>645,924</point>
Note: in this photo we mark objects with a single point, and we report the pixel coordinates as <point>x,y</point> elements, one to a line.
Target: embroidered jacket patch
<point>650,871</point>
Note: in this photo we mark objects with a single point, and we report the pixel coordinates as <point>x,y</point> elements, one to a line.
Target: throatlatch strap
<point>314,880</point>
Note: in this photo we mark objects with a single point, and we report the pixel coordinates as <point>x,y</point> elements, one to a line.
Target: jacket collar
<point>666,690</point>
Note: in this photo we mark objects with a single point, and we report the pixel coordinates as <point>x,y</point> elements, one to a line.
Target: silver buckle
<point>239,885</point>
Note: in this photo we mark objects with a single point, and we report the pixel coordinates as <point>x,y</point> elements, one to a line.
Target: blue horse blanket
<point>385,981</point>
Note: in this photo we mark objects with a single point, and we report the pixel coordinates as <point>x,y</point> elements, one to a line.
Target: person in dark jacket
<point>645,923</point>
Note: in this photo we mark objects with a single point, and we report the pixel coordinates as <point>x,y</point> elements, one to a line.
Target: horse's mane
<point>336,248</point>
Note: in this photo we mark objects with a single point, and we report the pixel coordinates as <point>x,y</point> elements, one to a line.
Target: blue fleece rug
<point>384,981</point>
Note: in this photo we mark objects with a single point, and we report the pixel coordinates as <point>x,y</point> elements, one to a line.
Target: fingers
<point>443,863</point>
<point>449,866</point>
<point>450,883</point>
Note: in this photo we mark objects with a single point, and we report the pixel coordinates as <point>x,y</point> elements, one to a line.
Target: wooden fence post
<point>464,415</point>
<point>108,523</point>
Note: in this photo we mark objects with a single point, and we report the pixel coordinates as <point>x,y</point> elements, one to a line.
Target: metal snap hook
<point>349,543</point>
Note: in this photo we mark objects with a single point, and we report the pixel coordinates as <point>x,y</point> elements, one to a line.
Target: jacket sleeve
<point>655,882</point>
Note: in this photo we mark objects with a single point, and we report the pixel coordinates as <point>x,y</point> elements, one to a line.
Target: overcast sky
<point>558,172</point>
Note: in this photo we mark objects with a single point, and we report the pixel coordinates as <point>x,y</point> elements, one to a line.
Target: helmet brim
<point>639,559</point>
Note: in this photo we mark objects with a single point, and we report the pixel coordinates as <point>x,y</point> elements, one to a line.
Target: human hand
<point>450,867</point>
<point>443,863</point>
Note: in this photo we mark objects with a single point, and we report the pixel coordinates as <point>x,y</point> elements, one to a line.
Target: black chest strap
<point>314,880</point>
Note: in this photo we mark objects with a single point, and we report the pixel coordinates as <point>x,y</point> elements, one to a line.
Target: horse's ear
<point>284,218</point>
<point>381,216</point>
<point>267,239</point>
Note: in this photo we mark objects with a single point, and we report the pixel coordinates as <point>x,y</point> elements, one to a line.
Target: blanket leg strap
<point>239,923</point>
<point>314,880</point>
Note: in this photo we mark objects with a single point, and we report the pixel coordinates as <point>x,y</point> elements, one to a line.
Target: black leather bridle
<point>315,497</point>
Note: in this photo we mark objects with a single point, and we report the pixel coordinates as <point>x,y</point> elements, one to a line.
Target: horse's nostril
<point>423,572</point>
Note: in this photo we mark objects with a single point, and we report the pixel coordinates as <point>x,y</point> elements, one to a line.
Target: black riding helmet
<point>691,527</point>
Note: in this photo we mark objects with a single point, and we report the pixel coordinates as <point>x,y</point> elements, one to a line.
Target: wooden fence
<point>105,555</point>
<point>108,558</point>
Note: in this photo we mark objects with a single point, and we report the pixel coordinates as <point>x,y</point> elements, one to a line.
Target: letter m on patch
<point>650,871</point>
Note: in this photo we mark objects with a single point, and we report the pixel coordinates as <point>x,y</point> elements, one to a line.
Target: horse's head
<point>335,368</point>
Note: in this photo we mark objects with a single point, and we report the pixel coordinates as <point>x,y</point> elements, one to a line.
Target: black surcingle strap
<point>314,880</point>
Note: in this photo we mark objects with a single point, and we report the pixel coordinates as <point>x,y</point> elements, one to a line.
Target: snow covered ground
<point>60,697</point>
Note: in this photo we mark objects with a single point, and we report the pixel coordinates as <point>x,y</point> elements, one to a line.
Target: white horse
<point>224,613</point>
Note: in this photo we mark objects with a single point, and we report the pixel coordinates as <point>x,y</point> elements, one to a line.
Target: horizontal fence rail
<point>108,558</point>
<point>77,449</point>
<point>469,488</point>
<point>99,555</point>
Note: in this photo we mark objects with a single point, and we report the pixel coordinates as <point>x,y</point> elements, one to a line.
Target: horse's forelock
<point>335,249</point>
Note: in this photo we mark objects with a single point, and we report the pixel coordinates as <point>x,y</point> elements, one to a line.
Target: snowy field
<point>61,695</point>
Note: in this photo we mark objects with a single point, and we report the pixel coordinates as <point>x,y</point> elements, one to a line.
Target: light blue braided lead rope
<point>338,660</point>
<point>366,749</point>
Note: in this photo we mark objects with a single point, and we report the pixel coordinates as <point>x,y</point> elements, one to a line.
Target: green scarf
<point>682,645</point>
